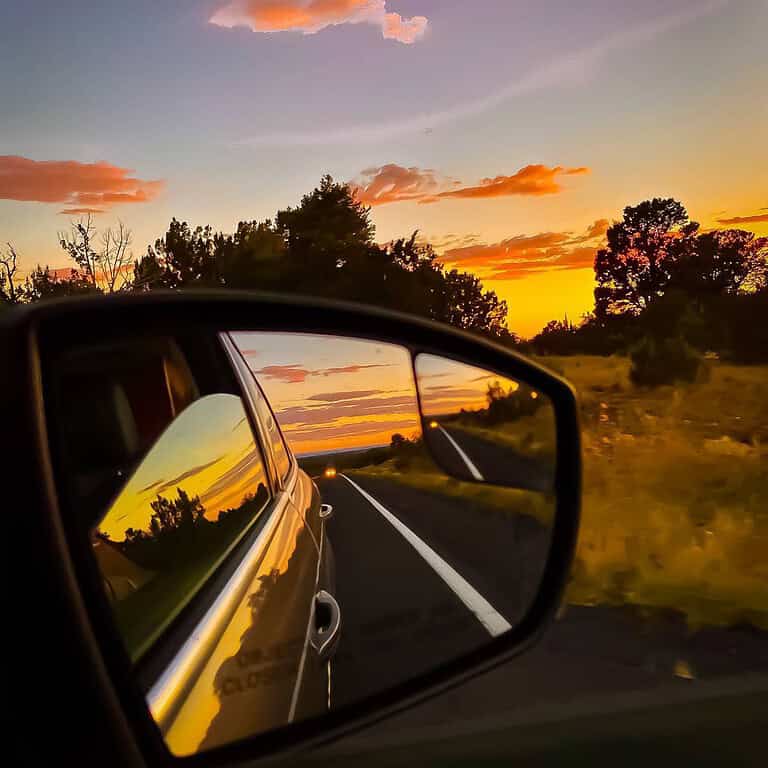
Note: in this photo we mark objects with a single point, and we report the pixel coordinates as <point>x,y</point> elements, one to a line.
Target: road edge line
<point>473,470</point>
<point>485,613</point>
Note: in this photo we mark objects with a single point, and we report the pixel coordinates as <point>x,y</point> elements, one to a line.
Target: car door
<point>209,569</point>
<point>313,693</point>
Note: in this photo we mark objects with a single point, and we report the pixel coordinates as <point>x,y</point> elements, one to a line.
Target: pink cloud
<point>312,16</point>
<point>83,187</point>
<point>393,183</point>
<point>407,31</point>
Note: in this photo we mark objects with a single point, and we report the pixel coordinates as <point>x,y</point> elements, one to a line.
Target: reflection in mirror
<point>487,428</point>
<point>273,535</point>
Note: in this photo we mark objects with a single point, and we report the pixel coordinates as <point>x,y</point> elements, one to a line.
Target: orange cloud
<point>394,183</point>
<point>534,180</point>
<point>598,229</point>
<point>81,186</point>
<point>755,219</point>
<point>523,255</point>
<point>312,16</point>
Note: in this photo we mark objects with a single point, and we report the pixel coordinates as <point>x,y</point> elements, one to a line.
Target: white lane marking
<point>473,470</point>
<point>485,613</point>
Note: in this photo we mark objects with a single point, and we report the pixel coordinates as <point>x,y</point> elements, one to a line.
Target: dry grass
<point>675,509</point>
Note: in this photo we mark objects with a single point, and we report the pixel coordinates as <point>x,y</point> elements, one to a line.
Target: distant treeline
<point>659,278</point>
<point>324,247</point>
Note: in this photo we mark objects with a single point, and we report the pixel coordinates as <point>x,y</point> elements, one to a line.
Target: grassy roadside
<point>675,512</point>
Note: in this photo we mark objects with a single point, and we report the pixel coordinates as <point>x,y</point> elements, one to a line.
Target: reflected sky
<point>446,387</point>
<point>208,450</point>
<point>331,393</point>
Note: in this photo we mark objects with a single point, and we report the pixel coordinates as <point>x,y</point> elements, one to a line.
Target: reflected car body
<point>220,617</point>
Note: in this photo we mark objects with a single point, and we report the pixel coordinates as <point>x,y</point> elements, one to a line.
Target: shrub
<point>663,361</point>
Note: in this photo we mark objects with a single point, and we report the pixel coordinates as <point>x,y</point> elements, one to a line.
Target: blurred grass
<point>675,512</point>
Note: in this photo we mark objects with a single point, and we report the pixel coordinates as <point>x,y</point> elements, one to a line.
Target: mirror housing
<point>90,654</point>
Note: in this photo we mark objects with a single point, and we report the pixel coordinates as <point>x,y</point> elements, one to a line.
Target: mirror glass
<point>284,525</point>
<point>487,428</point>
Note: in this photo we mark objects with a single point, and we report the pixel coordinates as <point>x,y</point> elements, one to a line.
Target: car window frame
<point>253,393</point>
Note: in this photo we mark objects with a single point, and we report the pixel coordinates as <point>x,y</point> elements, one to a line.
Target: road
<point>422,582</point>
<point>402,617</point>
<point>469,457</point>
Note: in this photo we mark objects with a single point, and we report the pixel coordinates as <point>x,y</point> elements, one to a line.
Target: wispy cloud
<point>756,218</point>
<point>334,397</point>
<point>298,374</point>
<point>82,187</point>
<point>312,16</point>
<point>573,68</point>
<point>395,184</point>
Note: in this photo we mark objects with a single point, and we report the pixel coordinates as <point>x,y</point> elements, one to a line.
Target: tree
<point>77,244</point>
<point>106,269</point>
<point>182,258</point>
<point>635,267</point>
<point>721,262</point>
<point>466,305</point>
<point>9,291</point>
<point>326,232</point>
<point>254,257</point>
<point>113,259</point>
<point>43,284</point>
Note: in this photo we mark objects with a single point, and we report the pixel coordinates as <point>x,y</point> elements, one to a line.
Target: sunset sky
<point>208,451</point>
<point>508,133</point>
<point>331,393</point>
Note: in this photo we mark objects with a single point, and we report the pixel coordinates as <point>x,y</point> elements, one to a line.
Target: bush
<point>663,361</point>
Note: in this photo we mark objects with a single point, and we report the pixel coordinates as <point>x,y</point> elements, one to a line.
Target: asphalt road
<point>424,584</point>
<point>469,457</point>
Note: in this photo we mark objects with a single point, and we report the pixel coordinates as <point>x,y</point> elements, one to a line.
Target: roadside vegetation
<point>675,511</point>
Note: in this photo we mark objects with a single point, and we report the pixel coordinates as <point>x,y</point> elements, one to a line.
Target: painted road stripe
<point>473,470</point>
<point>486,614</point>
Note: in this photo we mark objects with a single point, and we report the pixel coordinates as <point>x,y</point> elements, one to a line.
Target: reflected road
<point>469,456</point>
<point>400,616</point>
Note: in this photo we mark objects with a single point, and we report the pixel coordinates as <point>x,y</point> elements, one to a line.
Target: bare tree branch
<point>8,269</point>
<point>114,259</point>
<point>77,244</point>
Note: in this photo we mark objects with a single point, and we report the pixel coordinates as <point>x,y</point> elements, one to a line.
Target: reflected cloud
<point>297,374</point>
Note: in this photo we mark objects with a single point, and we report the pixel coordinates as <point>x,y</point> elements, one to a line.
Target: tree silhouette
<point>635,267</point>
<point>720,262</point>
<point>10,293</point>
<point>323,247</point>
<point>42,284</point>
<point>328,230</point>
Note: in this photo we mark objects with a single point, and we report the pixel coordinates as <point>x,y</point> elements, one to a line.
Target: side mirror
<point>286,518</point>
